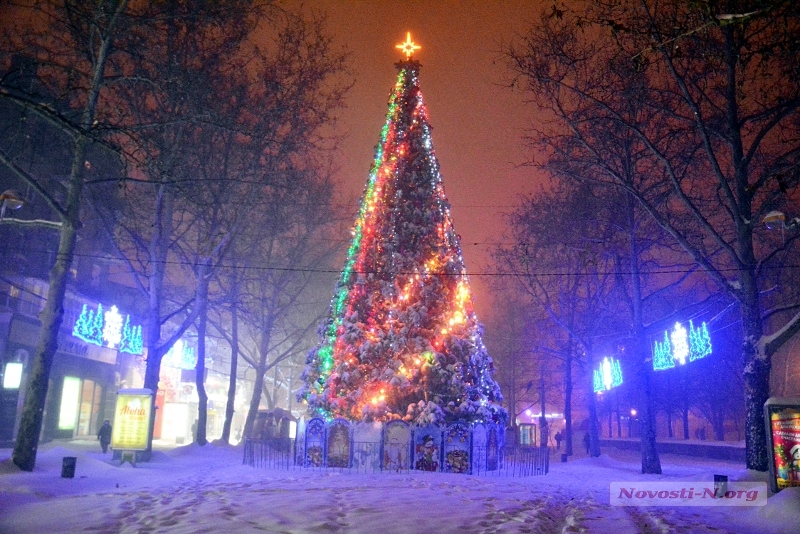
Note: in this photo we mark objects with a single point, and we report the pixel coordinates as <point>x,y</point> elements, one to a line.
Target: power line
<point>496,274</point>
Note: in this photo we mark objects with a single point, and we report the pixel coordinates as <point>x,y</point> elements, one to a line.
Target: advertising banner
<point>131,426</point>
<point>782,417</point>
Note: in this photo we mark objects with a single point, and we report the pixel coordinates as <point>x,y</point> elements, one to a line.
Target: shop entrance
<point>80,407</point>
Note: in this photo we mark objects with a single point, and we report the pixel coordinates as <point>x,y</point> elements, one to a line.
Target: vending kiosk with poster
<point>131,428</point>
<point>782,417</point>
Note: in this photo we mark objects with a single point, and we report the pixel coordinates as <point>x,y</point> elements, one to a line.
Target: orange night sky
<point>477,122</point>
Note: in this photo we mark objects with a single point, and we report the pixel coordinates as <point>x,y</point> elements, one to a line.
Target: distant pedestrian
<point>104,435</point>
<point>586,442</point>
<point>558,440</point>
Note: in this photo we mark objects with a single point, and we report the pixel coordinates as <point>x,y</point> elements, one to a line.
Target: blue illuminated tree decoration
<point>598,381</point>
<point>662,355</point>
<point>131,338</point>
<point>84,327</point>
<point>96,327</point>
<point>616,373</point>
<point>699,342</point>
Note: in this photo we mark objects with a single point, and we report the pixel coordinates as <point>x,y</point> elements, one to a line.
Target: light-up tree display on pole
<point>608,375</point>
<point>402,340</point>
<point>681,345</point>
<point>107,328</point>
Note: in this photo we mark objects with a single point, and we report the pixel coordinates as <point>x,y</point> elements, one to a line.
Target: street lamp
<point>776,220</point>
<point>12,200</point>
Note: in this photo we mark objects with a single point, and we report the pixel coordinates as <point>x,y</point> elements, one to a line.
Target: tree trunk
<point>229,407</point>
<point>568,399</point>
<point>641,355</point>
<point>30,427</point>
<point>669,423</point>
<point>719,424</point>
<point>594,424</point>
<point>685,419</point>
<point>756,393</point>
<point>255,400</point>
<point>201,301</point>
<point>157,251</point>
<point>27,444</point>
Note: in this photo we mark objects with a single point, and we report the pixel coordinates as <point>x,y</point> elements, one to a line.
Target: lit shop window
<point>70,393</point>
<point>12,376</point>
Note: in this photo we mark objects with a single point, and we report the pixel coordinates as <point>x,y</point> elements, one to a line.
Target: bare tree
<point>280,259</point>
<point>565,275</point>
<point>709,98</point>
<point>229,118</point>
<point>76,48</point>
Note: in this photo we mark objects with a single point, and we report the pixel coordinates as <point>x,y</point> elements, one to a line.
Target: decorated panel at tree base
<point>339,444</point>
<point>315,443</point>
<point>396,446</point>
<point>457,445</point>
<point>428,448</point>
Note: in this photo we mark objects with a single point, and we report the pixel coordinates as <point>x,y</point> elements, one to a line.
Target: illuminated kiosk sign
<point>131,428</point>
<point>107,328</point>
<point>782,419</point>
<point>681,345</point>
<point>608,375</point>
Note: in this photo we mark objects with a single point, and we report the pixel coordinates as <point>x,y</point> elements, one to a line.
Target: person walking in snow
<point>586,442</point>
<point>104,435</point>
<point>558,440</point>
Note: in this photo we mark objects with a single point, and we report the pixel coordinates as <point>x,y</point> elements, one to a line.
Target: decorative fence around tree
<point>342,446</point>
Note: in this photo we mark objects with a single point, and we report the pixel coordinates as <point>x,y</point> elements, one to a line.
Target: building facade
<point>86,371</point>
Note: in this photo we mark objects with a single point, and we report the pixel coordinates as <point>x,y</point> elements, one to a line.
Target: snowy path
<point>195,489</point>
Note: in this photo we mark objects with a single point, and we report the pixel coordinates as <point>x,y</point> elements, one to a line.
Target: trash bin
<point>68,467</point>
<point>564,457</point>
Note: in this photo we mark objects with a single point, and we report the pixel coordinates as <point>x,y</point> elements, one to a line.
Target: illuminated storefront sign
<point>107,328</point>
<point>131,428</point>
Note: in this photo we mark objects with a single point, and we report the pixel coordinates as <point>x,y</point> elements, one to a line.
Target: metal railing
<point>281,453</point>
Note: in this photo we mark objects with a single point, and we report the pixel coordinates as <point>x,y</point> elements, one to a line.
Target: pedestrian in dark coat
<point>104,435</point>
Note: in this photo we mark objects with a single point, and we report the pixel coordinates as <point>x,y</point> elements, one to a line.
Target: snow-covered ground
<point>207,489</point>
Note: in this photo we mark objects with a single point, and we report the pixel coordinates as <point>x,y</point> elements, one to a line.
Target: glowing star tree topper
<point>408,47</point>
<point>402,340</point>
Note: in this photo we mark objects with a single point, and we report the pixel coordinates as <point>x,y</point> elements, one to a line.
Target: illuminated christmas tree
<point>402,340</point>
